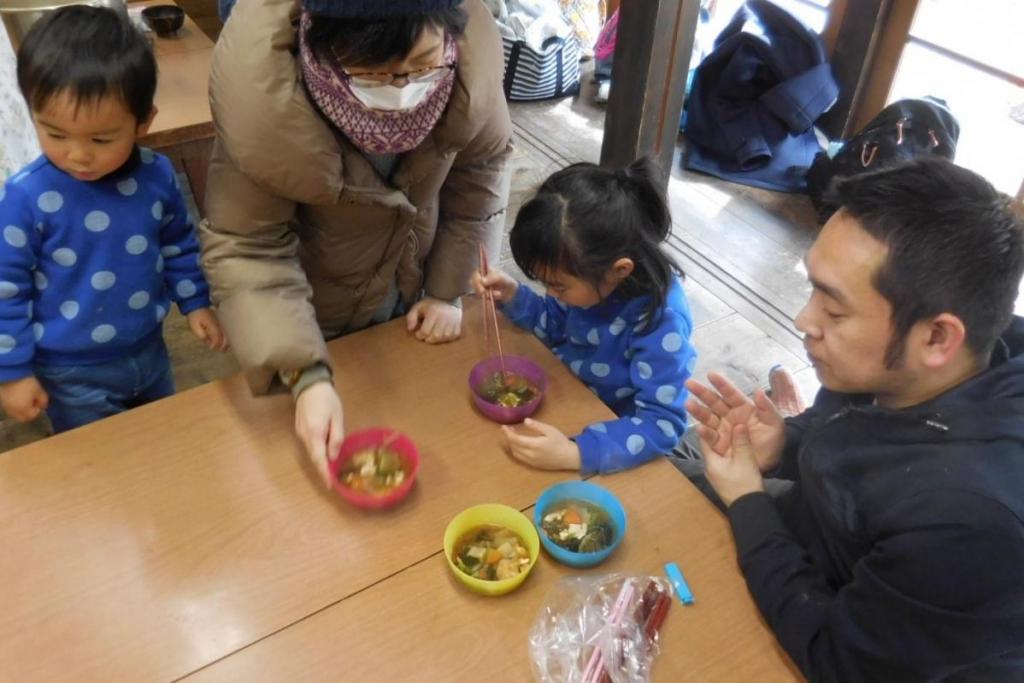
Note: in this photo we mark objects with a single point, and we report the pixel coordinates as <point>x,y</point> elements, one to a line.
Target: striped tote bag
<point>552,72</point>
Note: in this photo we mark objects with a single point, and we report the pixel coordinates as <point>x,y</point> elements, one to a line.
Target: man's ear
<point>143,126</point>
<point>940,340</point>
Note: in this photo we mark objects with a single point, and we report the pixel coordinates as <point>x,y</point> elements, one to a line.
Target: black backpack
<point>903,130</point>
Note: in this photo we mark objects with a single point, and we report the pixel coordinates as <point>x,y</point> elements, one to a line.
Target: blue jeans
<point>80,394</point>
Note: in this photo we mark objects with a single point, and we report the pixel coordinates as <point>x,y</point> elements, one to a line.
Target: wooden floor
<point>741,248</point>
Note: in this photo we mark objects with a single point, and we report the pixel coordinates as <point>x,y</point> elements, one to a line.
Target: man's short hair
<point>89,53</point>
<point>954,245</point>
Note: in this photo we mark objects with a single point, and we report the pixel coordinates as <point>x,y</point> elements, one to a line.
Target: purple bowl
<point>519,365</point>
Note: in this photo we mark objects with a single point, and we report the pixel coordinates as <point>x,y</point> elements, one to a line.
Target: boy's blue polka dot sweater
<point>87,268</point>
<point>637,372</point>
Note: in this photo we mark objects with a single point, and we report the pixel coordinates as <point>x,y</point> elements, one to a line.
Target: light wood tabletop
<point>183,128</point>
<point>182,98</point>
<point>422,625</point>
<point>166,537</point>
<point>191,534</point>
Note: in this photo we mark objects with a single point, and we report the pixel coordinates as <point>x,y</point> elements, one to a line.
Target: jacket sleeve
<point>18,248</point>
<point>662,360</point>
<point>939,589</point>
<point>179,249</point>
<point>545,316</point>
<point>250,255</point>
<point>473,201</point>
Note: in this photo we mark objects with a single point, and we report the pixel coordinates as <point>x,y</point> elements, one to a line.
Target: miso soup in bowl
<point>507,392</point>
<point>491,548</point>
<point>580,523</point>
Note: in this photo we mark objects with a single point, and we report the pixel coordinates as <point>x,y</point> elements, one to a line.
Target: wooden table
<point>183,127</point>
<point>190,536</point>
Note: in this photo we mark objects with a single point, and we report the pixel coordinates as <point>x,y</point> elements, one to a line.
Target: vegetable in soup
<point>490,552</point>
<point>374,470</point>
<point>507,389</point>
<point>578,525</point>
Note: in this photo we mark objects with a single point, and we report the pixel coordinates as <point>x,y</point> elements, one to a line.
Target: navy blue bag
<point>903,130</point>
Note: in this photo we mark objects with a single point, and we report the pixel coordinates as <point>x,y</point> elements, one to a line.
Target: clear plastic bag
<point>594,629</point>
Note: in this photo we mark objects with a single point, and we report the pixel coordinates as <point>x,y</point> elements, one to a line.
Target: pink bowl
<point>519,365</point>
<point>371,438</point>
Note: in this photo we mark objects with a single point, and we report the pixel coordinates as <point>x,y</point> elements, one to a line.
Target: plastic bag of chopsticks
<point>599,629</point>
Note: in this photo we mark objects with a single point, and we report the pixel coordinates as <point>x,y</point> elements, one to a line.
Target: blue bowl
<point>592,493</point>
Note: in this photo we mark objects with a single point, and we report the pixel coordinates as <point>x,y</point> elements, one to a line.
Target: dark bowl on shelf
<point>165,20</point>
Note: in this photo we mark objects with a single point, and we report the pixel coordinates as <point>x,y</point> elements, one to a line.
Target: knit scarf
<point>372,131</point>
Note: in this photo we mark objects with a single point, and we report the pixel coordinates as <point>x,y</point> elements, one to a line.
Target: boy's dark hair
<point>90,53</point>
<point>954,245</point>
<point>584,218</point>
<point>361,41</point>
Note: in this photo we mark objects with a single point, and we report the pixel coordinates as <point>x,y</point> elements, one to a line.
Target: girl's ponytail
<point>643,179</point>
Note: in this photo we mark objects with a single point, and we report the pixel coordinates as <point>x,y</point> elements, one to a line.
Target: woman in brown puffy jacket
<point>361,156</point>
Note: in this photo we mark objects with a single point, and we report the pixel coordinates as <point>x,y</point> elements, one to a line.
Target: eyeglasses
<point>429,74</point>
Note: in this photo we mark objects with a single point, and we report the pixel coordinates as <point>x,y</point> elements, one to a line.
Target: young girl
<point>615,313</point>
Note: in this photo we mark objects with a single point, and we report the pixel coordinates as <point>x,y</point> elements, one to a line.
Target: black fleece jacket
<point>899,553</point>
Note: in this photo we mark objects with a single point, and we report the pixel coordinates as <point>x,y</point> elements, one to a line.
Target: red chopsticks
<point>650,612</point>
<point>596,670</point>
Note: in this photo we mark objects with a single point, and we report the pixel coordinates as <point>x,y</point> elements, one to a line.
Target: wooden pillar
<point>652,56</point>
<point>868,41</point>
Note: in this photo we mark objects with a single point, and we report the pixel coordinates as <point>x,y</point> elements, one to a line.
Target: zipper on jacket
<point>934,421</point>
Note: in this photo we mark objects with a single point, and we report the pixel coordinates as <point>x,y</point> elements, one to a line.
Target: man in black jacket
<point>898,555</point>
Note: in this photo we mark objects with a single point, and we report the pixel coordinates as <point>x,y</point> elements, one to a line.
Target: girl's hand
<point>501,285</point>
<point>204,325</point>
<point>546,448</point>
<point>434,321</point>
<point>23,399</point>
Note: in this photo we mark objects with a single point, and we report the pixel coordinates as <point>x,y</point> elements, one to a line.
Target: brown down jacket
<point>302,237</point>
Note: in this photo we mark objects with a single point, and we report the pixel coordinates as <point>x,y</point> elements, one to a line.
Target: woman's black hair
<point>584,218</point>
<point>369,41</point>
<point>90,53</point>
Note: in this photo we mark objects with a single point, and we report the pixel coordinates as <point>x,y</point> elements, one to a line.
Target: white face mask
<point>391,97</point>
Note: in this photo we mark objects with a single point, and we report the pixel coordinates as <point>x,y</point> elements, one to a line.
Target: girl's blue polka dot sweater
<point>88,269</point>
<point>637,369</point>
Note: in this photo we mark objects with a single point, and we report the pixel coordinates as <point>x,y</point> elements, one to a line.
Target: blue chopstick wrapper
<point>675,576</point>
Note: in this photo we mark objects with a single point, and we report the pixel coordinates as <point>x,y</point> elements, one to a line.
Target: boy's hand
<point>434,321</point>
<point>203,323</point>
<point>320,425</point>
<point>723,407</point>
<point>502,286</point>
<point>23,399</point>
<point>546,448</point>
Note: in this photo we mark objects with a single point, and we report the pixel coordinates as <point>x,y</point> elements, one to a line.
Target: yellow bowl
<point>498,515</point>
